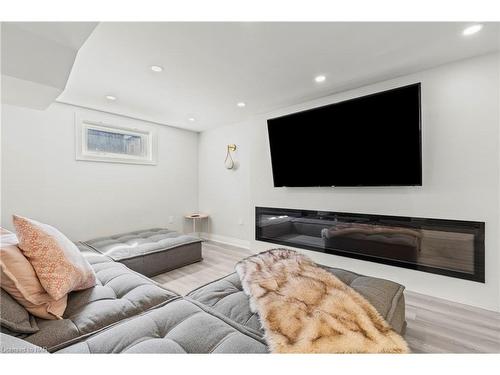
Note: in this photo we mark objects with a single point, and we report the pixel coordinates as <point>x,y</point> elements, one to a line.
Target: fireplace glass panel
<point>448,247</point>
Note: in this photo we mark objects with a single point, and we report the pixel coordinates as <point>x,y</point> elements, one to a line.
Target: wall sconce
<point>229,162</point>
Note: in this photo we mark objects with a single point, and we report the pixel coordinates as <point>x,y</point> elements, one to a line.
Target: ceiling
<point>209,67</point>
<point>37,59</point>
<point>70,34</point>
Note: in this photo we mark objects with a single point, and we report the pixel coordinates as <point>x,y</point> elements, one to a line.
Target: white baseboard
<point>226,240</point>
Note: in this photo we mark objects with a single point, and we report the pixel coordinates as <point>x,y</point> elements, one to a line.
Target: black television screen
<point>373,140</point>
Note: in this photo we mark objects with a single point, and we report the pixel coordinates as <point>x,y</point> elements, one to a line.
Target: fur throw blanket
<point>305,309</point>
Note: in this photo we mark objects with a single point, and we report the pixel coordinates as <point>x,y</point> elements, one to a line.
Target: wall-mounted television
<point>373,140</point>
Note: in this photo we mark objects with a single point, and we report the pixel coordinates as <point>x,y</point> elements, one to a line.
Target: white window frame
<point>83,153</point>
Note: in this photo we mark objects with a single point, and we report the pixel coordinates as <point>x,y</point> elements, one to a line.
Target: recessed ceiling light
<point>241,104</point>
<point>472,29</point>
<point>320,78</point>
<point>192,119</point>
<point>110,97</point>
<point>156,68</point>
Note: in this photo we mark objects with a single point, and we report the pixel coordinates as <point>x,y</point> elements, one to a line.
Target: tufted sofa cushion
<point>226,296</point>
<point>150,251</point>
<point>119,294</point>
<point>180,326</point>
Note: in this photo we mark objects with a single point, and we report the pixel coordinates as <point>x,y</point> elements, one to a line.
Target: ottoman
<point>151,251</point>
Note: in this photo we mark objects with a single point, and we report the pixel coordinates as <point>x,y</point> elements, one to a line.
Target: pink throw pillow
<point>58,263</point>
<point>18,278</point>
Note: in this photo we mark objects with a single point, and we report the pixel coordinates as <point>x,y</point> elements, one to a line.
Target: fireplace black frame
<point>472,227</point>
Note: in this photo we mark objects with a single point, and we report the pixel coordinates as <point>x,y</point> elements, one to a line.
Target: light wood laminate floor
<point>434,325</point>
<point>218,261</point>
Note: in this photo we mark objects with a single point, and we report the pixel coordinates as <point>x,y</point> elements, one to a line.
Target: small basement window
<point>109,143</point>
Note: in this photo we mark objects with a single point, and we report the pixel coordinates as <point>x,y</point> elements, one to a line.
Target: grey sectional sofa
<point>129,313</point>
<point>120,293</point>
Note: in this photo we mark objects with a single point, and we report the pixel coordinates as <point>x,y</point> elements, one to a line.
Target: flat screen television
<point>373,140</point>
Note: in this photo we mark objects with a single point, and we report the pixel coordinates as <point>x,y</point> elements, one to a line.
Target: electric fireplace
<point>446,247</point>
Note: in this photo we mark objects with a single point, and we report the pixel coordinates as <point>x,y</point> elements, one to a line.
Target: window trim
<point>84,154</point>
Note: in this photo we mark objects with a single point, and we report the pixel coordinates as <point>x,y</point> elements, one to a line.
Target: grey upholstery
<point>13,345</point>
<point>14,317</point>
<point>150,251</point>
<point>227,298</point>
<point>119,294</point>
<point>178,327</point>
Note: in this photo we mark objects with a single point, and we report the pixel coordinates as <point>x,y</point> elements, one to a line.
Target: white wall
<point>460,108</point>
<point>226,193</point>
<point>41,178</point>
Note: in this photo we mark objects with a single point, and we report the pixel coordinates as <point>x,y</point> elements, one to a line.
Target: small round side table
<point>196,216</point>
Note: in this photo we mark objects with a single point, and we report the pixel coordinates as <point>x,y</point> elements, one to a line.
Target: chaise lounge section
<point>226,297</point>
